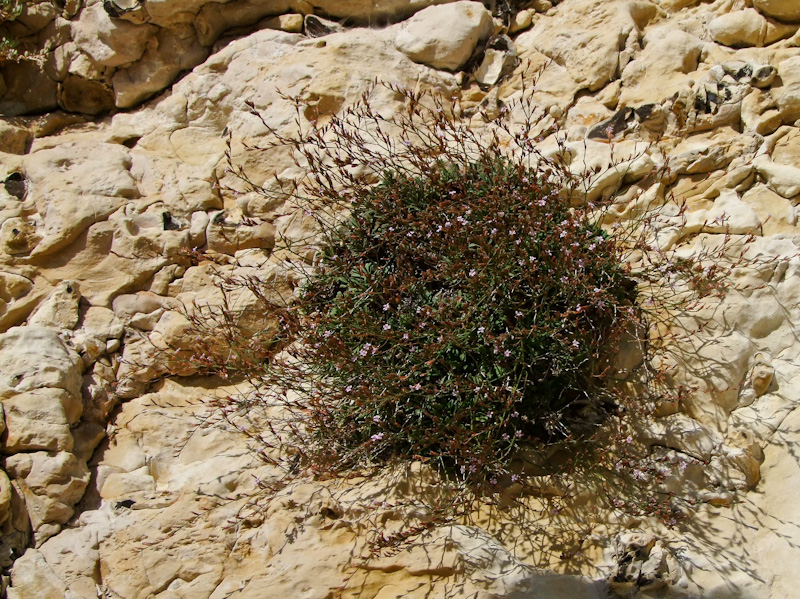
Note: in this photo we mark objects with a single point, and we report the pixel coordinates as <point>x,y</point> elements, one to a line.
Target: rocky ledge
<point>115,153</point>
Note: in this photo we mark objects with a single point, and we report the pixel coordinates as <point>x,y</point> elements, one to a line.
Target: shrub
<point>457,314</point>
<point>464,305</point>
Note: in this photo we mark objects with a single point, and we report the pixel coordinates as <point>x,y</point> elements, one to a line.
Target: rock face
<point>420,37</point>
<point>113,229</point>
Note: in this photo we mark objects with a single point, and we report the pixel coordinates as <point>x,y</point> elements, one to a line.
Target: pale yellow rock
<point>788,96</point>
<point>781,178</point>
<point>467,23</point>
<point>36,358</point>
<point>228,237</point>
<point>5,496</point>
<point>759,113</point>
<point>739,28</point>
<point>60,309</point>
<point>74,185</point>
<point>521,21</point>
<point>126,484</point>
<point>786,10</point>
<point>587,39</point>
<point>33,578</point>
<point>290,23</point>
<point>167,54</point>
<point>40,420</point>
<point>109,42</point>
<point>52,483</point>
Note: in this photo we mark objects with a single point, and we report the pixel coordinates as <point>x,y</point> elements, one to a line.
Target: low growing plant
<point>463,306</point>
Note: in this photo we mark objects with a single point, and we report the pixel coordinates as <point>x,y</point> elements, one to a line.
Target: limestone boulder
<point>36,358</point>
<point>109,42</point>
<point>785,10</point>
<point>788,95</point>
<point>60,309</point>
<point>73,185</point>
<point>747,28</point>
<point>33,577</point>
<point>444,37</point>
<point>783,179</point>
<point>662,67</point>
<point>589,39</point>
<point>51,482</point>
<point>40,420</point>
<point>168,53</point>
<point>5,497</point>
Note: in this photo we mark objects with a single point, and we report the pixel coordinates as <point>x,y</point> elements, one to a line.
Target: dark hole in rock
<point>131,142</point>
<point>15,185</point>
<point>169,223</point>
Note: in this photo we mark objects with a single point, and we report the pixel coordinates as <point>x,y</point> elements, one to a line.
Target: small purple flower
<point>473,272</point>
<point>377,437</point>
<point>387,327</point>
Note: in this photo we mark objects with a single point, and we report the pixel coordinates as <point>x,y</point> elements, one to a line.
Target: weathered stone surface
<point>36,358</point>
<point>663,65</point>
<point>786,10</point>
<point>51,483</point>
<point>788,96</point>
<point>420,38</point>
<point>40,420</point>
<point>747,28</point>
<point>74,185</point>
<point>109,42</point>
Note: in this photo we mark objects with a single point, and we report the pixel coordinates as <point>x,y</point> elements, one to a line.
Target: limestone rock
<point>13,139</point>
<point>662,67</point>
<point>590,52</point>
<point>785,10</point>
<point>125,484</point>
<point>33,577</point>
<point>36,358</point>
<point>685,434</point>
<point>87,96</point>
<point>228,237</point>
<point>60,309</point>
<point>423,40</point>
<point>5,497</point>
<point>167,54</point>
<point>747,28</point>
<point>781,178</point>
<point>99,329</point>
<point>27,90</point>
<point>109,42</point>
<point>788,97</point>
<point>74,185</point>
<point>41,420</point>
<point>52,483</point>
<point>499,60</point>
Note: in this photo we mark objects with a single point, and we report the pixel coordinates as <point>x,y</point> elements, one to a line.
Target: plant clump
<point>464,305</point>
<point>458,314</point>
